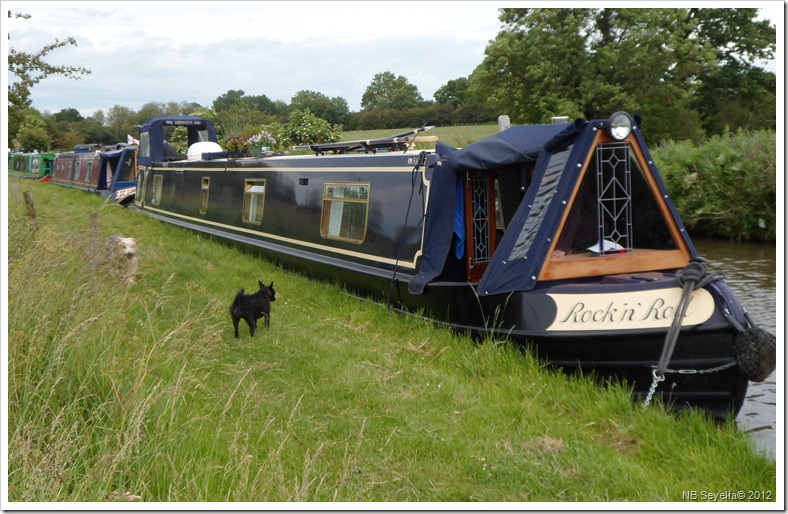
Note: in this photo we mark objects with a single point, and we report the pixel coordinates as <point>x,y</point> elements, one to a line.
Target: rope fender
<point>755,350</point>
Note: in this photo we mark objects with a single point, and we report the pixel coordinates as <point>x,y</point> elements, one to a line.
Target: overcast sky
<point>142,52</point>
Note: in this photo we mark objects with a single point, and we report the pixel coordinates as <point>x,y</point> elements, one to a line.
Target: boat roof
<point>514,146</point>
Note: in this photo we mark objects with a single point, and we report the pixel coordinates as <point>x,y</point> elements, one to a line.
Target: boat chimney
<point>503,122</point>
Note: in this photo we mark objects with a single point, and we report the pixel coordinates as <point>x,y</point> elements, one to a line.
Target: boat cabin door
<point>480,224</point>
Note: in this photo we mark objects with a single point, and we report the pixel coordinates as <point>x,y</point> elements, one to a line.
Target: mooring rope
<point>421,161</point>
<point>693,276</point>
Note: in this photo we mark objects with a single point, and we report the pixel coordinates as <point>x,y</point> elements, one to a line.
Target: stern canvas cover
<point>560,152</point>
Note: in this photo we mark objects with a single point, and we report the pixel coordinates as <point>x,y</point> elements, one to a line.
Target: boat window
<point>254,201</point>
<point>88,171</point>
<point>109,166</point>
<point>156,192</point>
<point>127,168</point>
<point>206,183</point>
<point>614,204</point>
<point>345,208</point>
<point>144,144</point>
<point>650,228</point>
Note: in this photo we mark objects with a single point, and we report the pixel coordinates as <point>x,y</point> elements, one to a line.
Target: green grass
<point>143,394</point>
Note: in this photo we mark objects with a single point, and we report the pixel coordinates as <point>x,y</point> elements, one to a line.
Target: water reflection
<point>750,271</point>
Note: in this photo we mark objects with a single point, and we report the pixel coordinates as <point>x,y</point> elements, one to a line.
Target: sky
<point>140,52</point>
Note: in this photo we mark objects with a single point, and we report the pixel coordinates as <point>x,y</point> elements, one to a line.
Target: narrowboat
<point>561,237</point>
<point>32,165</point>
<point>110,171</point>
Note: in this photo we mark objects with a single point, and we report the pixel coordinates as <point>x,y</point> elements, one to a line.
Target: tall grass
<point>143,394</point>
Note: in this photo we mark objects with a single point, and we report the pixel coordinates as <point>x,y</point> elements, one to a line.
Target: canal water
<point>751,272</point>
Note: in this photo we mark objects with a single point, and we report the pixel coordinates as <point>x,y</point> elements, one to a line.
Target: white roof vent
<point>197,149</point>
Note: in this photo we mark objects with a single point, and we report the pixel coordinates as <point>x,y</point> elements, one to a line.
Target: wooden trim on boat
<point>585,265</point>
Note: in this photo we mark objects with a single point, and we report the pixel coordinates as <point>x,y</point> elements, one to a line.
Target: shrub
<point>303,128</point>
<point>725,186</point>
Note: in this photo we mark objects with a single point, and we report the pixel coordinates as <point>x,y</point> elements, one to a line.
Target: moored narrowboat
<point>110,171</point>
<point>32,165</point>
<point>559,236</point>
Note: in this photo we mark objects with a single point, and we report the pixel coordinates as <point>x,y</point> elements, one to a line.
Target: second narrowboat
<point>110,171</point>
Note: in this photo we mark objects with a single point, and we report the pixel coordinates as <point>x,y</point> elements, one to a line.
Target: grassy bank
<point>143,394</point>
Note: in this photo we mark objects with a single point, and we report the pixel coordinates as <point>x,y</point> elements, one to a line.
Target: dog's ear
<point>260,284</point>
<point>272,285</point>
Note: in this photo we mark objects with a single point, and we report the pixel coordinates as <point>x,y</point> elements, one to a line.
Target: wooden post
<point>31,209</point>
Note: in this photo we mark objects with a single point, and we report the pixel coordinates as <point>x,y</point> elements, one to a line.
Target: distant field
<point>457,137</point>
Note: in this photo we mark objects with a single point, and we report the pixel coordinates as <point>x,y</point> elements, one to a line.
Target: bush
<point>726,186</point>
<point>303,128</point>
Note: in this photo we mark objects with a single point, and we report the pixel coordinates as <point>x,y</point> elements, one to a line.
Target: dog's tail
<point>237,300</point>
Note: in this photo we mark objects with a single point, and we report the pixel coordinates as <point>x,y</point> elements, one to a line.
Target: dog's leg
<point>267,319</point>
<point>235,326</point>
<point>252,322</point>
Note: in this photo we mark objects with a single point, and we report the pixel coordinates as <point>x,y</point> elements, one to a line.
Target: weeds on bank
<point>143,394</point>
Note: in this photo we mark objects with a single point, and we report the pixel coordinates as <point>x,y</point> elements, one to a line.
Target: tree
<point>333,110</point>
<point>33,133</point>
<point>241,119</point>
<point>263,104</point>
<point>453,92</point>
<point>68,115</point>
<point>388,91</point>
<point>736,92</point>
<point>532,70</point>
<point>228,99</point>
<point>120,121</point>
<point>642,61</point>
<point>29,69</point>
<point>591,62</point>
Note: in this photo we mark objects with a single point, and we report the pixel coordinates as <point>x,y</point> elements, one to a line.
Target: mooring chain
<point>661,377</point>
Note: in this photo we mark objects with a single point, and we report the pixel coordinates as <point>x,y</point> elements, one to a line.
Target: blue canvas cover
<point>559,152</point>
<point>528,238</point>
<point>515,146</point>
<point>152,144</point>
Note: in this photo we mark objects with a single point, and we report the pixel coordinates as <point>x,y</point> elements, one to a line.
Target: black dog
<point>252,307</point>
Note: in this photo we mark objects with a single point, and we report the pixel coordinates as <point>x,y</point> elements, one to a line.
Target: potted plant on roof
<point>236,146</point>
<point>260,143</point>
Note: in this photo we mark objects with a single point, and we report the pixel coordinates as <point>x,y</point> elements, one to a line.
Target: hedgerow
<point>726,186</point>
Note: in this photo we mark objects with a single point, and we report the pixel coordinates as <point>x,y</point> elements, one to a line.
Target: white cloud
<point>141,52</point>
